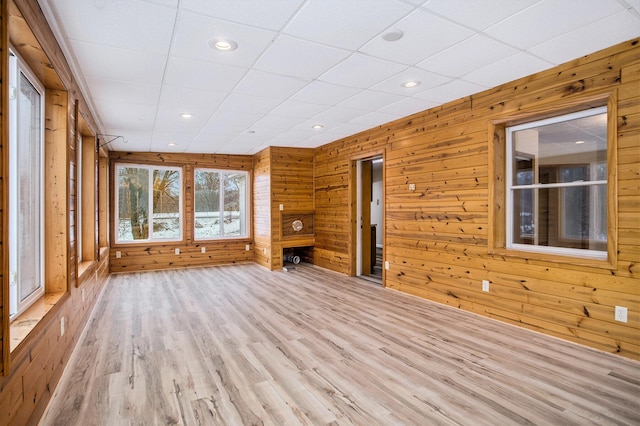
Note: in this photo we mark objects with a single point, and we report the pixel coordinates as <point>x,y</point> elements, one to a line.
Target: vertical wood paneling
<point>438,237</point>
<point>262,207</point>
<point>56,191</point>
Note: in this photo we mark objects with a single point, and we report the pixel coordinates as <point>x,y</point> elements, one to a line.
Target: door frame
<point>354,214</point>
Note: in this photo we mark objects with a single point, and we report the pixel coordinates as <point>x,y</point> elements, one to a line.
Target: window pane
<point>166,204</point>
<point>234,208</point>
<point>581,141</point>
<point>207,205</point>
<point>523,217</point>
<point>557,184</point>
<point>133,204</point>
<point>28,146</point>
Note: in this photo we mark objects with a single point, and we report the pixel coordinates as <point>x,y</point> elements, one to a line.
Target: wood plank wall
<point>37,363</point>
<point>281,176</point>
<point>436,238</point>
<point>154,256</point>
<point>261,190</point>
<point>4,194</point>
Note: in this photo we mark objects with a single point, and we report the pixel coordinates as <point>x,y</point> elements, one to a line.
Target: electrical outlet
<point>118,254</point>
<point>177,251</point>
<point>412,187</point>
<point>247,247</point>
<point>281,207</point>
<point>82,293</point>
<point>621,314</point>
<point>203,249</point>
<point>264,251</point>
<point>386,264</point>
<point>61,326</point>
<point>485,285</point>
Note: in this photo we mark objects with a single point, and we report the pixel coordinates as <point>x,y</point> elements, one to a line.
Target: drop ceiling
<point>300,64</point>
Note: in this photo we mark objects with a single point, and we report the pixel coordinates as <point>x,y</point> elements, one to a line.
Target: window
<point>148,203</point>
<point>221,201</point>
<point>26,218</point>
<point>557,185</point>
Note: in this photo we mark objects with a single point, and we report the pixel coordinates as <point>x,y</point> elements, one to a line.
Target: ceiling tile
<point>133,25</point>
<point>123,91</point>
<point>345,24</point>
<point>194,31</point>
<point>506,70</point>
<point>277,122</point>
<point>134,140</point>
<point>319,92</point>
<point>161,139</point>
<point>464,57</point>
<point>202,75</point>
<point>269,85</point>
<point>375,118</point>
<point>370,100</point>
<point>448,92</point>
<point>601,34</point>
<point>394,84</point>
<point>168,119</point>
<point>264,14</point>
<point>128,116</point>
<point>549,19</point>
<point>312,59</point>
<point>297,109</point>
<point>424,35</point>
<point>362,71</point>
<point>119,64</point>
<point>250,104</point>
<point>188,99</point>
<point>337,115</point>
<point>408,106</point>
<point>477,14</point>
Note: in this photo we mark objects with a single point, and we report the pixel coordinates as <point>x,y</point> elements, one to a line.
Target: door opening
<point>370,227</point>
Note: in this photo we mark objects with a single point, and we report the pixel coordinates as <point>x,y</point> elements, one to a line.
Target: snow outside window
<point>221,202</point>
<point>149,203</point>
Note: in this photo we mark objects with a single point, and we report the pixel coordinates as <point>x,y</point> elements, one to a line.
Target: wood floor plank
<point>242,345</point>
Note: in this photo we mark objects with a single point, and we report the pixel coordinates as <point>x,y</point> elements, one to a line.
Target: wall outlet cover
<point>621,314</point>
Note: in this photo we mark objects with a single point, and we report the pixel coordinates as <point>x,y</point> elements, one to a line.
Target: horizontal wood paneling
<point>437,236</point>
<point>154,256</point>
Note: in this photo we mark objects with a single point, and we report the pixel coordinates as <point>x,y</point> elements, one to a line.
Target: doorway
<point>370,214</point>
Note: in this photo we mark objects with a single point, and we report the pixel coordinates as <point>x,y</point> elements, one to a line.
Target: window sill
<point>27,321</point>
<point>554,258</point>
<point>84,266</point>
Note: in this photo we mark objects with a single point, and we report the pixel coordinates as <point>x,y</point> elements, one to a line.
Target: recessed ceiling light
<point>393,35</point>
<point>186,115</point>
<point>411,83</point>
<point>223,44</point>
<point>317,126</point>
<point>579,142</point>
<point>172,144</point>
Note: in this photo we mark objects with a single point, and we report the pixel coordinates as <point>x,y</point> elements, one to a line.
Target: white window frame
<point>116,215</point>
<point>247,213</point>
<point>18,66</point>
<point>510,188</point>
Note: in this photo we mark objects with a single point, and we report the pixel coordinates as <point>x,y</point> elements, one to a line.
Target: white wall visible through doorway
<point>376,199</point>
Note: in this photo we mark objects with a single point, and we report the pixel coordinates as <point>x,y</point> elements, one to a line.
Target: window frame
<point>496,236</point>
<point>116,216</point>
<point>247,201</point>
<point>18,66</point>
<point>561,186</point>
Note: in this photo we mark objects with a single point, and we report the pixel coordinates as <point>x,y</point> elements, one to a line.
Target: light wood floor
<point>241,345</point>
